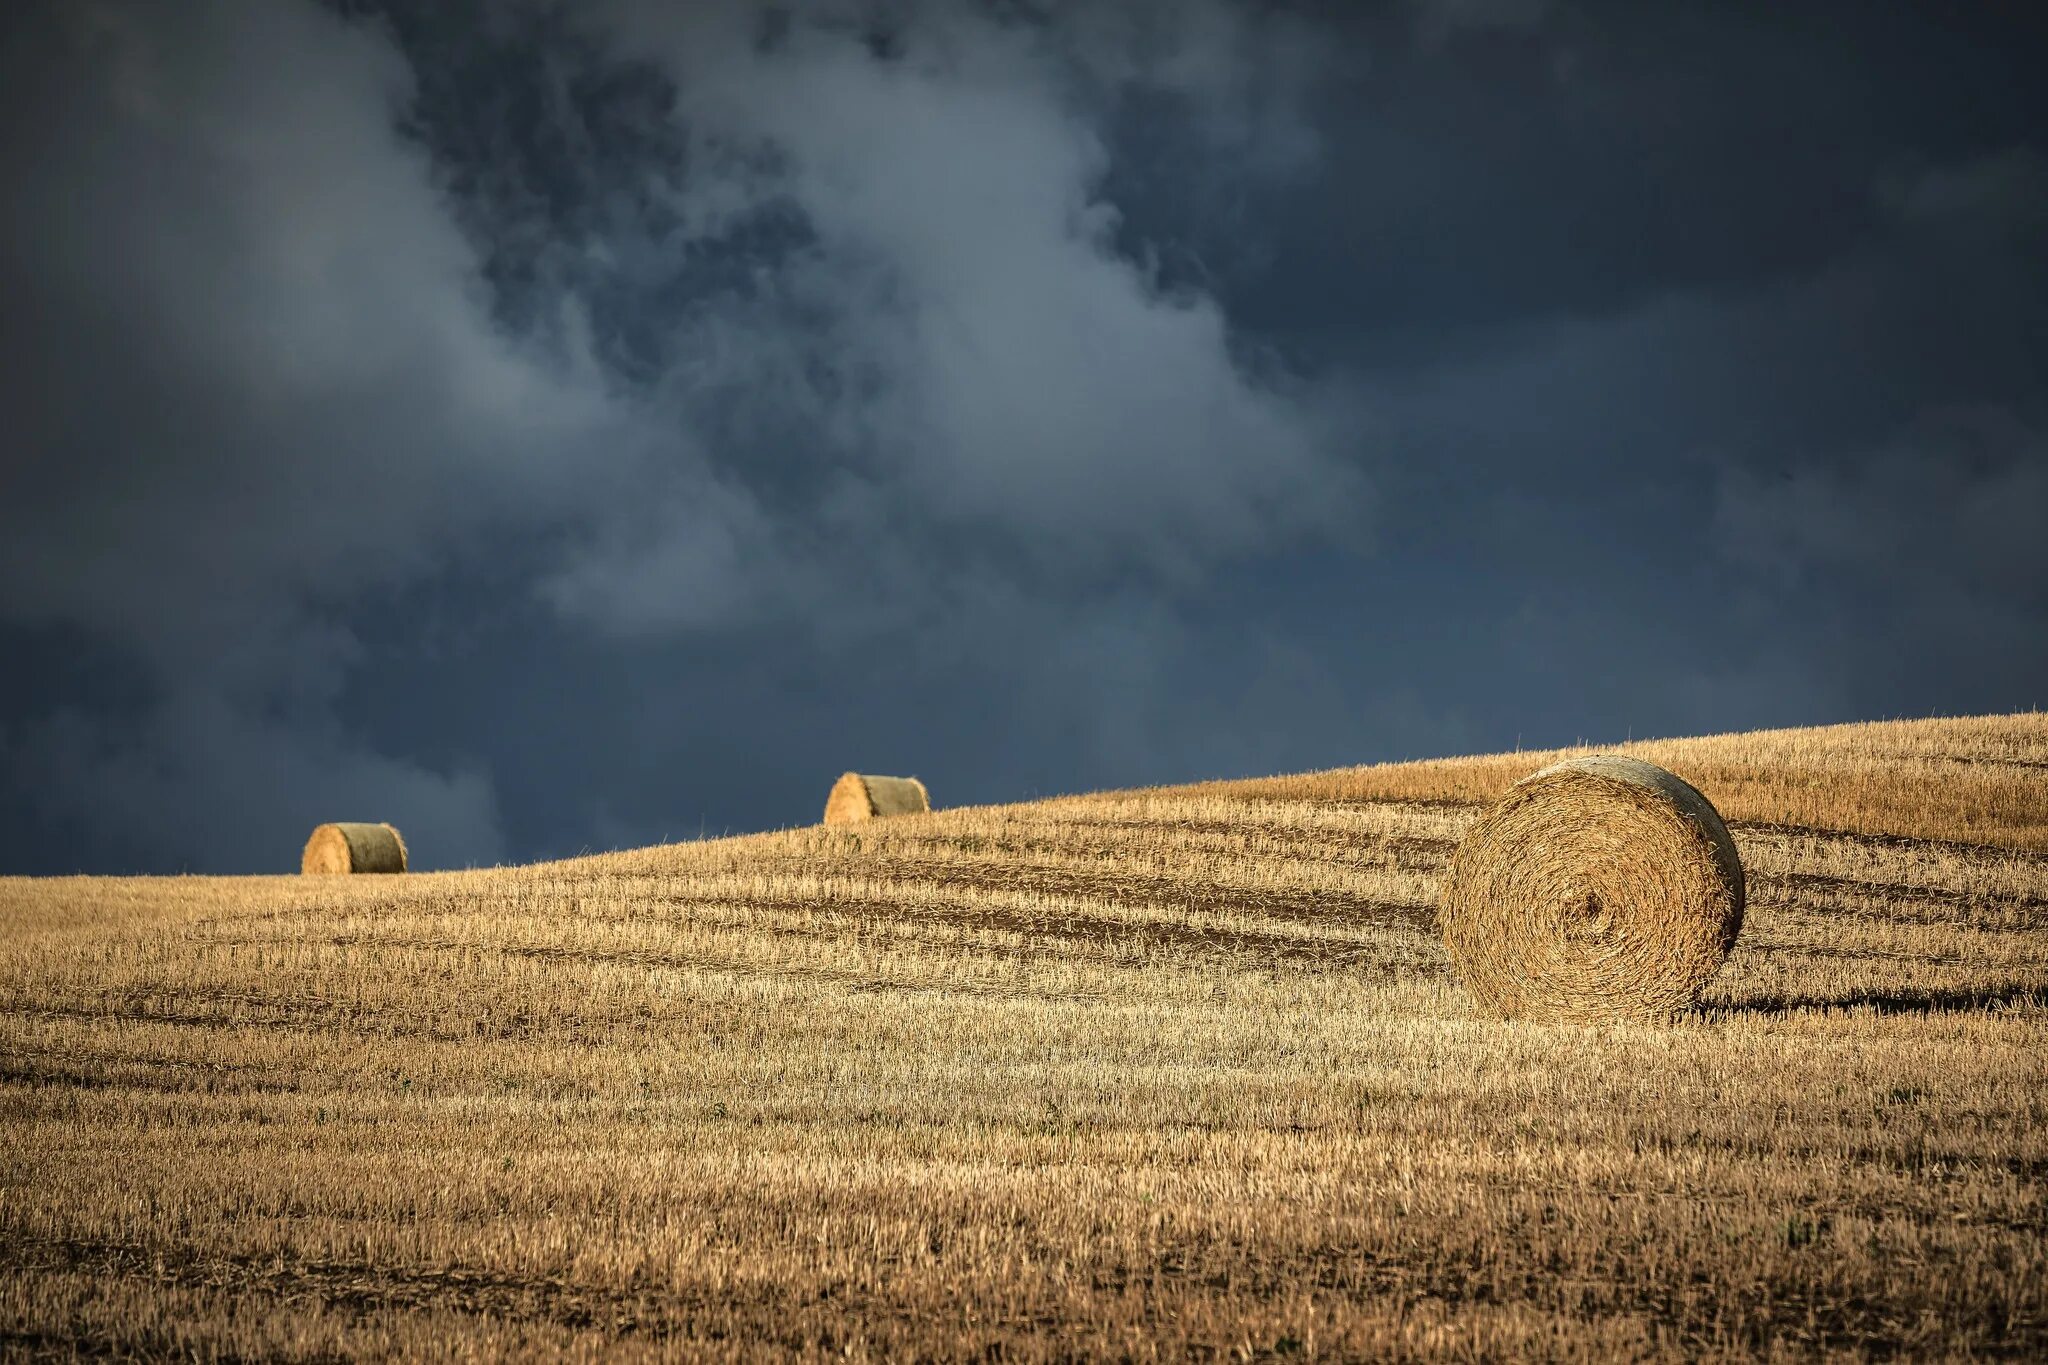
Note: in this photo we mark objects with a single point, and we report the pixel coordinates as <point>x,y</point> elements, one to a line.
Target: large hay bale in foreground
<point>865,796</point>
<point>354,848</point>
<point>1597,888</point>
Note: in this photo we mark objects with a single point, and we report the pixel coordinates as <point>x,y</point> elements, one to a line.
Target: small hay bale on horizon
<point>353,847</point>
<point>867,796</point>
<point>1598,888</point>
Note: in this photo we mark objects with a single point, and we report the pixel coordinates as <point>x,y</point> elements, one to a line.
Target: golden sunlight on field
<point>1171,1072</point>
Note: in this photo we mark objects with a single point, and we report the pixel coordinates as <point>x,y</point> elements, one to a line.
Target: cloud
<point>203,784</point>
<point>2003,194</point>
<point>710,327</point>
<point>1910,576</point>
<point>255,361</point>
<point>1438,20</point>
<point>699,557</point>
<point>252,379</point>
<point>554,422</point>
<point>1948,507</point>
<point>1747,502</point>
<point>957,334</point>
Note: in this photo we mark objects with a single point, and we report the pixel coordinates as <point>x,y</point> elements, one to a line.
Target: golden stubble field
<point>1175,1072</point>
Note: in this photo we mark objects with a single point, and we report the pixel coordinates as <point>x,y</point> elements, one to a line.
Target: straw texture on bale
<point>865,796</point>
<point>354,848</point>
<point>1598,888</point>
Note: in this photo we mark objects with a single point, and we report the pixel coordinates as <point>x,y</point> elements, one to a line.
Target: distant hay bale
<point>1598,888</point>
<point>354,848</point>
<point>865,796</point>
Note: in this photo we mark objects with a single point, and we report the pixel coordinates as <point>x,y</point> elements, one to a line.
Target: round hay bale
<point>1598,888</point>
<point>354,848</point>
<point>865,796</point>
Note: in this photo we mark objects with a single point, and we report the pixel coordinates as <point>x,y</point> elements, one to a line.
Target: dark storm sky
<point>553,428</point>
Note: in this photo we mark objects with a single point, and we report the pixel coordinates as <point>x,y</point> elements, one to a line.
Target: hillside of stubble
<point>1165,1073</point>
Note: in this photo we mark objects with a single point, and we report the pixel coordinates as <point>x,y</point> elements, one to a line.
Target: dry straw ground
<point>1175,1072</point>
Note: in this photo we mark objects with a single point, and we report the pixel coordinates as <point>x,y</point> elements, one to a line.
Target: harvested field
<point>1164,1073</point>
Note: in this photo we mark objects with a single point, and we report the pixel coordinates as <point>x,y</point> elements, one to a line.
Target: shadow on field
<point>1894,1002</point>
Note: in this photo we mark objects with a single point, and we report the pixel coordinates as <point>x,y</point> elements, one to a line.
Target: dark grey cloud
<point>1950,505</point>
<point>957,341</point>
<point>248,383</point>
<point>1439,20</point>
<point>562,426</point>
<point>1600,156</point>
<point>291,360</point>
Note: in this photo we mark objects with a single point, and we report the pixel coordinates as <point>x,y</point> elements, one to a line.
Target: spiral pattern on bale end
<point>353,847</point>
<point>1598,888</point>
